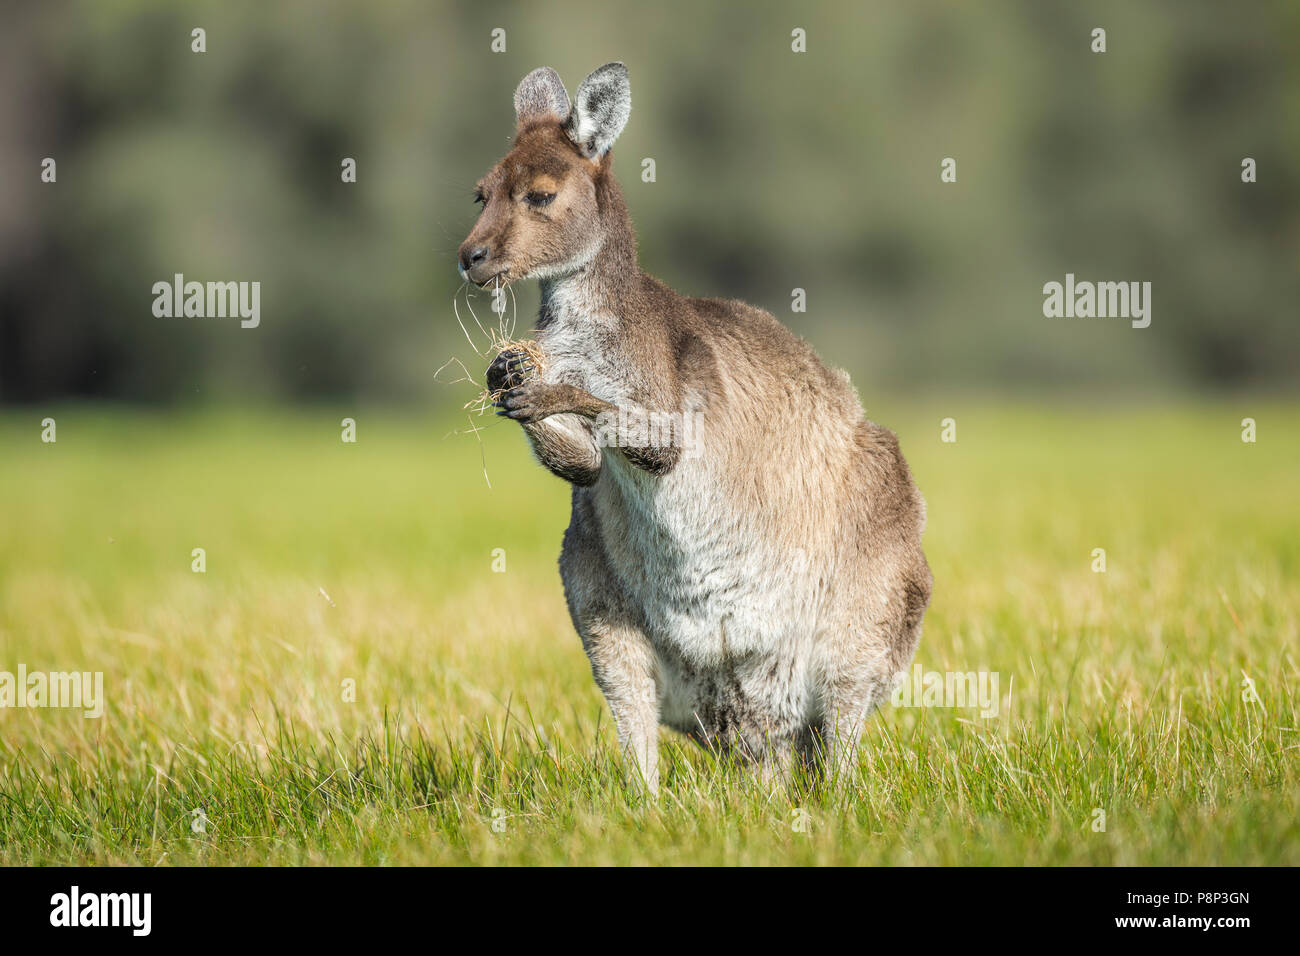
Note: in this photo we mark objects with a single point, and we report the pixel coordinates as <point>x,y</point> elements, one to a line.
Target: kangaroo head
<point>541,217</point>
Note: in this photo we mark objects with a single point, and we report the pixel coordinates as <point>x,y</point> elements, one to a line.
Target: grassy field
<point>477,735</point>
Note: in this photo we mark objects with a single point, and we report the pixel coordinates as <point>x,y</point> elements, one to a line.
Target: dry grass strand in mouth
<point>499,339</point>
<point>505,327</point>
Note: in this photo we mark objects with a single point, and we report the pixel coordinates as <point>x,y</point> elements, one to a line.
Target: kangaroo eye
<point>538,200</point>
<point>479,197</point>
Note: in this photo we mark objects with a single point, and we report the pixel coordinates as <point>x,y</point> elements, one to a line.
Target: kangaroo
<point>754,579</point>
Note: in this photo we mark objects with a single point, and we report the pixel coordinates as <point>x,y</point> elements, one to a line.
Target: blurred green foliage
<point>775,170</point>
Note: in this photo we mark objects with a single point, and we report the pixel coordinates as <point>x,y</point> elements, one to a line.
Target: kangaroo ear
<point>541,94</point>
<point>600,110</point>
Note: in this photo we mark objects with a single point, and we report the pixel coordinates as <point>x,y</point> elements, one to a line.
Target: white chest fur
<point>580,342</point>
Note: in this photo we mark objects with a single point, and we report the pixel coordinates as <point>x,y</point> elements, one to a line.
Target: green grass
<point>1121,691</point>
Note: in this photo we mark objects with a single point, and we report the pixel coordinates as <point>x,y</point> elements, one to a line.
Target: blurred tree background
<point>775,170</point>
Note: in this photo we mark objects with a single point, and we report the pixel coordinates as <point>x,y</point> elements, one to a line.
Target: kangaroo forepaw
<point>510,369</point>
<point>532,401</point>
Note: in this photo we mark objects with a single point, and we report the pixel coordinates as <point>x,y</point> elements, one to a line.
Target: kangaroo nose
<point>472,257</point>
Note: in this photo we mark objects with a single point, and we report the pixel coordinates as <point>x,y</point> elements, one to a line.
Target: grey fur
<point>601,108</point>
<point>541,94</point>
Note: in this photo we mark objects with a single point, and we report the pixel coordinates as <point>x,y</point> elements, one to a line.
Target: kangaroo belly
<point>730,614</point>
<point>706,578</point>
<point>751,700</point>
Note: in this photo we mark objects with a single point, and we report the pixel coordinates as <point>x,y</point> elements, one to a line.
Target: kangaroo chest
<point>581,342</point>
<point>678,545</point>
